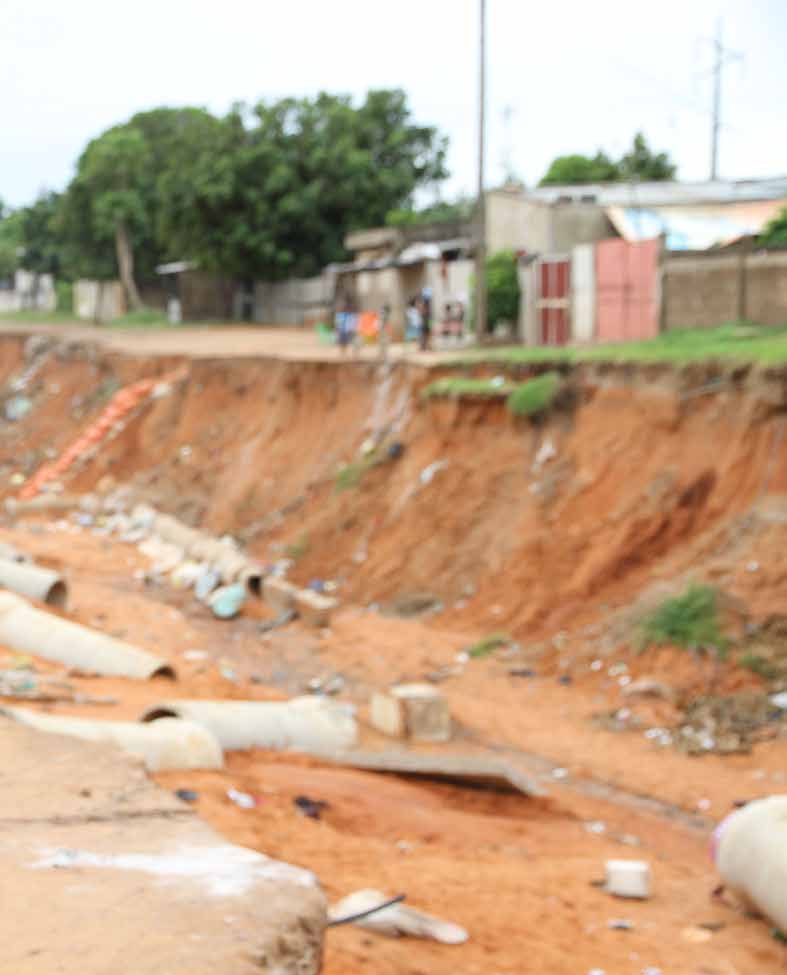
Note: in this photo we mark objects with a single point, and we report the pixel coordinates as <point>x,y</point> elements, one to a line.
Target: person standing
<point>426,320</point>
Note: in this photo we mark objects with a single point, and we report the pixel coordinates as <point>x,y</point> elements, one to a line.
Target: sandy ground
<point>229,342</point>
<point>516,872</point>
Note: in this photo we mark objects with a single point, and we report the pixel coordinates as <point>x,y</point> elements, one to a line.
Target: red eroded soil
<point>646,490</point>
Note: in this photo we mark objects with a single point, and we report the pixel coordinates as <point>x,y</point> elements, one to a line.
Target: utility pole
<point>722,57</point>
<point>480,249</point>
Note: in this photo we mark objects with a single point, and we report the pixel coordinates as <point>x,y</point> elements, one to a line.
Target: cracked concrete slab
<point>103,871</point>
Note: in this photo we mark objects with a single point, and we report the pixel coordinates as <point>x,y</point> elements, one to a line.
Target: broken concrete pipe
<point>306,724</point>
<point>231,564</point>
<point>34,582</point>
<point>750,850</point>
<point>28,630</point>
<point>162,746</point>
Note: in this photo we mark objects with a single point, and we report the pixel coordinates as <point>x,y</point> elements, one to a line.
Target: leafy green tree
<point>774,234</point>
<point>286,181</point>
<point>503,293</point>
<point>640,163</point>
<point>502,286</point>
<point>39,240</point>
<point>568,170</point>
<point>123,208</point>
<point>109,188</point>
<point>444,212</point>
<point>10,242</point>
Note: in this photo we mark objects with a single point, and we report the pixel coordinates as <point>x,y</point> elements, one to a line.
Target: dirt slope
<point>558,534</point>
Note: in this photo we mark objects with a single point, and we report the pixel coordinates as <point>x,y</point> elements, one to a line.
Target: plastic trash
<point>395,920</point>
<point>206,583</point>
<point>226,602</point>
<point>242,799</point>
<point>17,408</point>
<point>187,795</point>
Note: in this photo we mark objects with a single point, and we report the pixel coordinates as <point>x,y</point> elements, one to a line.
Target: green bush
<point>534,396</point>
<point>64,291</point>
<point>690,620</point>
<point>488,645</point>
<point>758,665</point>
<point>502,290</point>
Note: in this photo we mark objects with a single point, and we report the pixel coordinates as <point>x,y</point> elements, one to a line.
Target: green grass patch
<point>735,341</point>
<point>455,387</point>
<point>758,665</point>
<point>29,316</point>
<point>488,645</point>
<point>142,318</point>
<point>689,620</point>
<point>350,475</point>
<point>534,396</point>
<point>298,549</point>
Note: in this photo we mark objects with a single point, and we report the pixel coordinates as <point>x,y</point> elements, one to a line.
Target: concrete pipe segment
<point>162,746</point>
<point>231,564</point>
<point>28,630</point>
<point>315,725</point>
<point>34,582</point>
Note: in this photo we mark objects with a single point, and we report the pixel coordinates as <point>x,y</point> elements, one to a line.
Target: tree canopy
<point>265,192</point>
<point>774,233</point>
<point>639,163</point>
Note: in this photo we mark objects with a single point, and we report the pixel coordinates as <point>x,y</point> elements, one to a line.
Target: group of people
<point>349,323</point>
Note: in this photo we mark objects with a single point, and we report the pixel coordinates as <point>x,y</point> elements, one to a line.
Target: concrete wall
<point>506,218</point>
<point>518,222</point>
<point>35,291</point>
<point>703,290</point>
<point>101,301</point>
<point>304,301</point>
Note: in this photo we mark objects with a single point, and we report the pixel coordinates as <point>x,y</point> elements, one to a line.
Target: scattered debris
<point>396,919</point>
<point>227,601</point>
<point>627,878</point>
<point>311,808</point>
<point>281,620</point>
<point>241,799</point>
<point>696,936</point>
<point>729,725</point>
<point>649,687</point>
<point>415,711</point>
<point>428,473</point>
<point>17,408</point>
<point>522,672</point>
<point>545,453</point>
<point>620,924</point>
<point>187,795</point>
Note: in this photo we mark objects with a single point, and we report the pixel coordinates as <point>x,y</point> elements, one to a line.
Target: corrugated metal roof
<point>663,193</point>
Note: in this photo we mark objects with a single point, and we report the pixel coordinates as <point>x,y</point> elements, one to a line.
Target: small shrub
<point>690,620</point>
<point>758,665</point>
<point>534,396</point>
<point>64,292</point>
<point>298,549</point>
<point>488,645</point>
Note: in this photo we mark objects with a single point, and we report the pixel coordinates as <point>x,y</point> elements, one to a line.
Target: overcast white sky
<point>576,75</point>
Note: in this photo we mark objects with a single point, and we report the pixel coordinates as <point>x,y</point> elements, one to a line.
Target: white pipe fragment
<point>750,850</point>
<point>162,746</point>
<point>34,582</point>
<point>398,919</point>
<point>28,630</point>
<point>308,724</point>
